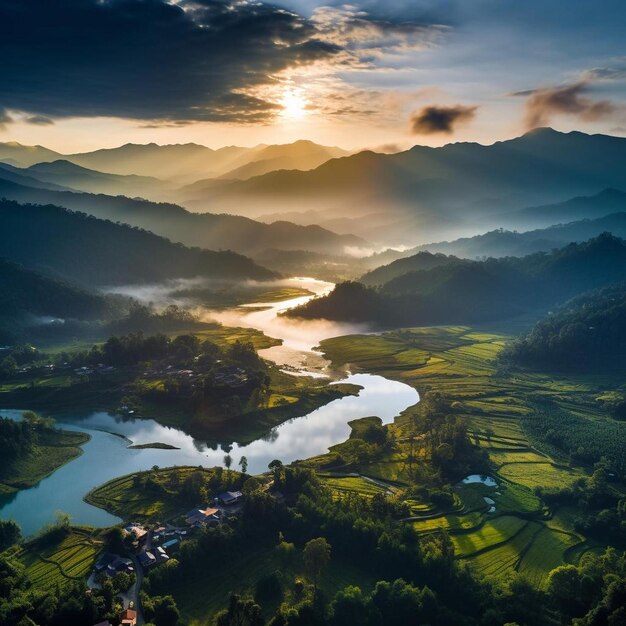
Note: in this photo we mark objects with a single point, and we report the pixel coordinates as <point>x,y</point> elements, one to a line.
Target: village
<point>150,545</point>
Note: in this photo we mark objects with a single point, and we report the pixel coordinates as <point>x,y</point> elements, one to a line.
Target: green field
<point>69,558</point>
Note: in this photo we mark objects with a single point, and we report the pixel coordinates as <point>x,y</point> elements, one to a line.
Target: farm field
<point>512,529</point>
<point>70,557</point>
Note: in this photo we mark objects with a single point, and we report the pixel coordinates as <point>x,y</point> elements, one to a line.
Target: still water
<point>107,454</point>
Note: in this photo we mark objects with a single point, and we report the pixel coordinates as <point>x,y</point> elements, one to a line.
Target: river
<point>107,455</point>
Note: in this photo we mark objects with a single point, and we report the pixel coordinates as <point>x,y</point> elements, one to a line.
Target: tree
<point>243,462</point>
<point>165,611</point>
<point>240,612</point>
<point>10,533</point>
<point>275,467</point>
<point>228,461</point>
<point>316,557</point>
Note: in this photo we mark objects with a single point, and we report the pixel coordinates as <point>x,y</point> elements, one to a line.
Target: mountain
<point>19,155</point>
<point>184,163</point>
<point>68,175</point>
<point>500,242</point>
<point>203,230</point>
<point>477,291</point>
<point>582,207</point>
<point>189,161</point>
<point>299,155</point>
<point>22,176</point>
<point>455,184</point>
<point>99,252</point>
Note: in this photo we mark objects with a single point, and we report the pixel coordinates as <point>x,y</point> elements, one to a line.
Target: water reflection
<point>107,455</point>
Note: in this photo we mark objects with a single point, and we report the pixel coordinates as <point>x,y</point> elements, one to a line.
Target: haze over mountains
<point>425,192</point>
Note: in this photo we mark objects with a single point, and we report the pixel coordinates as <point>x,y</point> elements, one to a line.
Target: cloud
<point>434,119</point>
<point>39,120</point>
<point>368,38</point>
<point>604,74</point>
<point>149,60</point>
<point>5,118</point>
<point>542,104</point>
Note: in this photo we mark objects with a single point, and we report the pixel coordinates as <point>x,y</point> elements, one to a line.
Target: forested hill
<point>25,292</point>
<point>418,262</point>
<point>477,291</point>
<point>587,333</point>
<point>99,252</point>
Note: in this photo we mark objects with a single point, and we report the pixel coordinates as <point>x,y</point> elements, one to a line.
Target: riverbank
<point>55,449</point>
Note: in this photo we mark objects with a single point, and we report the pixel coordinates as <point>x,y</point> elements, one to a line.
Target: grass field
<point>68,559</point>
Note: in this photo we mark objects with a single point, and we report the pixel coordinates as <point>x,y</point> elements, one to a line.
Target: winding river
<point>107,454</point>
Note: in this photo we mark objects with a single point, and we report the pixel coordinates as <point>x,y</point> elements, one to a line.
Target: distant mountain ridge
<point>208,231</point>
<point>184,162</point>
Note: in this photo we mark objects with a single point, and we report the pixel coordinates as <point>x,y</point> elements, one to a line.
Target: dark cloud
<point>605,74</point>
<point>543,104</point>
<point>440,119</point>
<point>149,59</point>
<point>39,120</point>
<point>5,118</point>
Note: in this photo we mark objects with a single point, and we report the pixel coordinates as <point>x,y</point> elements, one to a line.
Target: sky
<point>83,74</point>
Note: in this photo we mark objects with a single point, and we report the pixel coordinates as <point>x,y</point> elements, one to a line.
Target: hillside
<point>31,299</point>
<point>98,252</point>
<point>204,230</point>
<point>501,242</point>
<point>586,333</point>
<point>417,262</point>
<point>477,291</point>
<point>67,174</point>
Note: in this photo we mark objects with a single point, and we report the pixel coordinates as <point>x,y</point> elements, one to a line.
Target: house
<point>128,618</point>
<point>230,497</point>
<point>200,517</point>
<point>147,559</point>
<point>112,564</point>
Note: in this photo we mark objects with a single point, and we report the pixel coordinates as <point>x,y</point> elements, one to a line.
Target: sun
<point>294,105</point>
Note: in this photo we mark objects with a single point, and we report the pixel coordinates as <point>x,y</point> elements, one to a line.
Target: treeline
<point>587,333</point>
<point>20,438</point>
<point>458,291</point>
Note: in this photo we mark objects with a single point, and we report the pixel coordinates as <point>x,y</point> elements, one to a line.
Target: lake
<point>107,454</point>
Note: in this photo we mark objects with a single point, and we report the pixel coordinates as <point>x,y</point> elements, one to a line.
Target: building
<point>200,517</point>
<point>230,497</point>
<point>128,618</point>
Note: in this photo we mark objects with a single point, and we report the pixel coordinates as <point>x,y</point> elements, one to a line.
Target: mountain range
<point>424,192</point>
